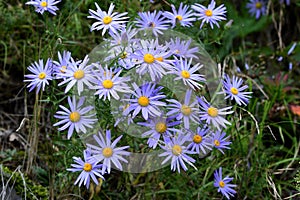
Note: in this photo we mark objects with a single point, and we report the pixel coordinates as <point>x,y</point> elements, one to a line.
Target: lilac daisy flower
<point>220,141</point>
<point>188,74</point>
<point>257,8</point>
<point>182,48</point>
<point>44,5</point>
<point>210,14</point>
<point>88,167</point>
<point>177,152</point>
<point>186,110</point>
<point>107,20</point>
<point>234,90</point>
<point>123,37</point>
<point>107,152</point>
<point>213,115</point>
<point>223,184</point>
<point>76,117</point>
<point>78,72</point>
<point>160,126</point>
<point>152,58</point>
<point>200,141</point>
<point>41,75</point>
<point>184,16</point>
<point>152,21</point>
<point>62,64</point>
<point>145,101</point>
<point>108,83</point>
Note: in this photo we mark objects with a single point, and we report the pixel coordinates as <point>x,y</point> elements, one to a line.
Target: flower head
<point>223,184</point>
<point>44,5</point>
<point>213,115</point>
<point>110,20</point>
<point>77,72</point>
<point>177,152</point>
<point>234,90</point>
<point>88,167</point>
<point>182,48</point>
<point>41,75</point>
<point>188,74</point>
<point>152,21</point>
<point>188,110</point>
<point>184,16</point>
<point>257,8</point>
<point>145,101</point>
<point>107,152</point>
<point>220,141</point>
<point>200,141</point>
<point>76,117</point>
<point>210,14</point>
<point>61,65</point>
<point>108,83</point>
<point>160,126</point>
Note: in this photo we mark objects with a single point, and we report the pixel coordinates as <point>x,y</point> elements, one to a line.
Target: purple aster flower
<point>41,75</point>
<point>160,126</point>
<point>152,58</point>
<point>88,167</point>
<point>210,14</point>
<point>123,37</point>
<point>234,90</point>
<point>107,152</point>
<point>182,48</point>
<point>78,72</point>
<point>44,5</point>
<point>188,74</point>
<point>152,21</point>
<point>213,115</point>
<point>109,83</point>
<point>287,2</point>
<point>177,152</point>
<point>107,20</point>
<point>185,111</point>
<point>184,16</point>
<point>200,141</point>
<point>257,8</point>
<point>223,184</point>
<point>61,65</point>
<point>144,101</point>
<point>76,117</point>
<point>220,141</point>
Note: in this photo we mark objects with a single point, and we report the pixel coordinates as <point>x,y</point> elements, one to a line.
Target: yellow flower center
<point>160,59</point>
<point>176,150</point>
<point>217,143</point>
<point>87,167</point>
<point>63,69</point>
<point>258,5</point>
<point>107,20</point>
<point>185,74</point>
<point>149,58</point>
<point>151,24</point>
<point>79,74</point>
<point>208,13</point>
<point>107,84</point>
<point>107,152</point>
<point>44,4</point>
<point>74,116</point>
<point>221,184</point>
<point>234,91</point>
<point>213,112</point>
<point>186,110</point>
<point>143,101</point>
<point>124,55</point>
<point>42,75</point>
<point>177,51</point>
<point>197,139</point>
<point>179,17</point>
<point>161,127</point>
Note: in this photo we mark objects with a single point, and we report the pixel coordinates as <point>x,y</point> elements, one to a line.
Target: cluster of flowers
<point>151,60</point>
